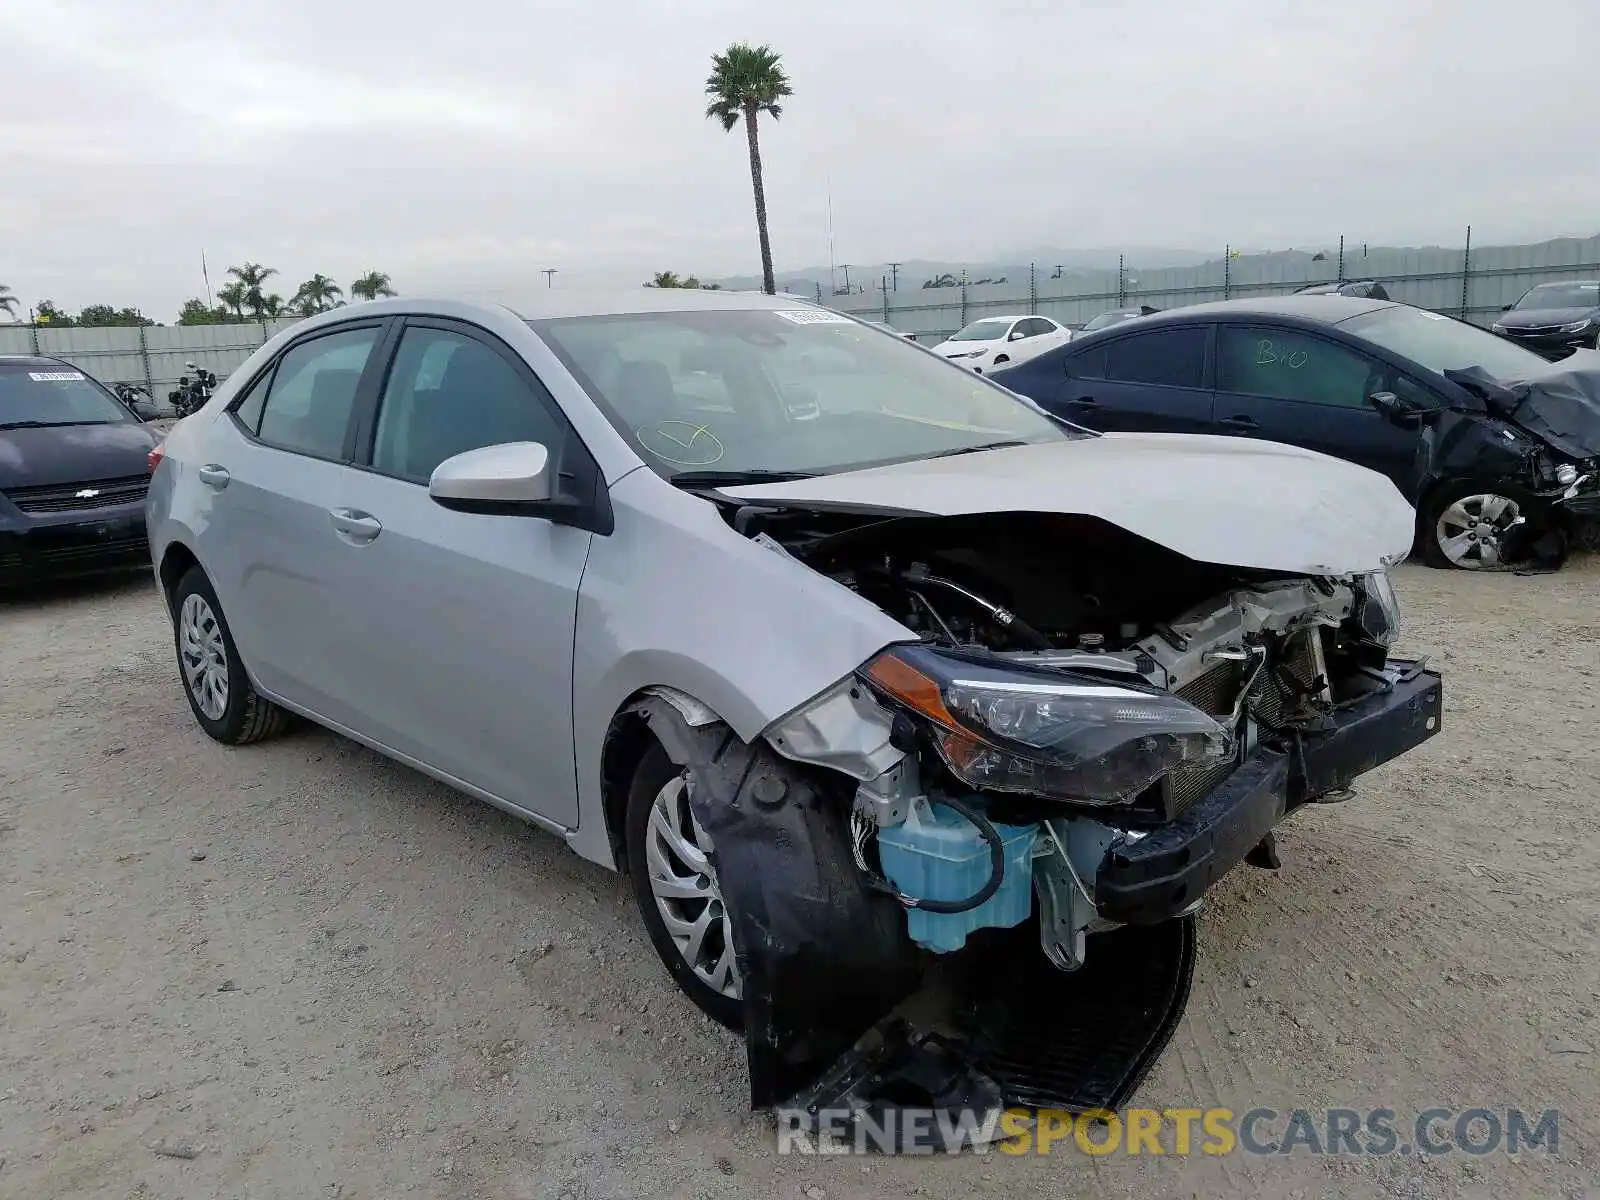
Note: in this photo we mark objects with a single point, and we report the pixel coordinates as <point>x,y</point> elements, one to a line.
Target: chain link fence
<point>1470,282</point>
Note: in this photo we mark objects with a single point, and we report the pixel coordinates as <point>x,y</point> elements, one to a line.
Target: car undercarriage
<point>966,876</point>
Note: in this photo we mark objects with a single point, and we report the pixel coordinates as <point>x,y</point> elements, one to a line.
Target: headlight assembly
<point>1005,729</point>
<point>1378,608</point>
<point>1575,326</point>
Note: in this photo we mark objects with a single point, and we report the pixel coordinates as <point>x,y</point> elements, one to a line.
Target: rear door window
<point>1088,364</point>
<point>1159,357</point>
<point>313,392</point>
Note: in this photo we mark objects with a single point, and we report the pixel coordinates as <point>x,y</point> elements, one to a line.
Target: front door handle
<point>354,525</point>
<point>214,476</point>
<point>1084,401</point>
<point>1240,422</point>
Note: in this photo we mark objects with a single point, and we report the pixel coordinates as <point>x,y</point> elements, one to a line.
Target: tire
<point>652,789</point>
<point>233,713</point>
<point>1001,359</point>
<point>1467,493</point>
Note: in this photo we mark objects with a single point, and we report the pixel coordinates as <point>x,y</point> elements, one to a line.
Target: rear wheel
<point>675,883</point>
<point>214,681</point>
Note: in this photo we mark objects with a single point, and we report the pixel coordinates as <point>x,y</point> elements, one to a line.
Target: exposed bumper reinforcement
<point>1161,874</point>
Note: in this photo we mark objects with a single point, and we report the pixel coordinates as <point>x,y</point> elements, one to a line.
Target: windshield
<point>983,331</point>
<point>1561,295</point>
<point>797,391</point>
<point>49,393</point>
<point>1107,318</point>
<point>1442,343</point>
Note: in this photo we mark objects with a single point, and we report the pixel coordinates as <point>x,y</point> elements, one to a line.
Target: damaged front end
<point>965,877</point>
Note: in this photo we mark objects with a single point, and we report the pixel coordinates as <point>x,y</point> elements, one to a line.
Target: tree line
<point>244,297</point>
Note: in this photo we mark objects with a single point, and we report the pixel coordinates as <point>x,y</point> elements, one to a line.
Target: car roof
<point>1323,310</point>
<point>38,359</point>
<point>552,303</point>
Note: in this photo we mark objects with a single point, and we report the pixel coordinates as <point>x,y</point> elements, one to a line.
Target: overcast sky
<point>465,144</point>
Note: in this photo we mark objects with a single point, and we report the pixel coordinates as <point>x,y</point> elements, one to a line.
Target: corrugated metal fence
<point>154,355</point>
<point>1470,282</point>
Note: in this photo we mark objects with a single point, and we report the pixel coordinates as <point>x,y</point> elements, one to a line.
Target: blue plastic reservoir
<point>937,854</point>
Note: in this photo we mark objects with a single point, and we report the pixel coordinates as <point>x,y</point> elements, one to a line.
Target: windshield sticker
<point>681,443</point>
<point>55,376</point>
<point>813,316</point>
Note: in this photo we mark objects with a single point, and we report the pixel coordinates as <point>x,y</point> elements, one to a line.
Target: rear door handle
<point>1085,401</point>
<point>1240,422</point>
<point>214,476</point>
<point>355,526</point>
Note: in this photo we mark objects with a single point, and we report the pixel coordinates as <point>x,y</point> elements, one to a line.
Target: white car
<point>1003,341</point>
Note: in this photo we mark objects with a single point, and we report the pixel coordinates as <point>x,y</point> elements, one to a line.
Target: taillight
<point>154,458</point>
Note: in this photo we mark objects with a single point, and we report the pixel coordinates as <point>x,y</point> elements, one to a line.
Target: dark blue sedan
<point>1345,375</point>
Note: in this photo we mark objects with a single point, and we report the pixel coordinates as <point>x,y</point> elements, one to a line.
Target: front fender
<point>675,598</point>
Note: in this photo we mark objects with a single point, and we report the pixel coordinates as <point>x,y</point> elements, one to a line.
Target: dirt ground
<point>319,974</point>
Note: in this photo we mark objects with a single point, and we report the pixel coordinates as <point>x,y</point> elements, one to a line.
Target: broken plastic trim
<point>821,957</point>
<point>823,960</point>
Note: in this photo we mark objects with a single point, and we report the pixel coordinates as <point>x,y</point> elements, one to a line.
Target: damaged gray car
<point>881,683</point>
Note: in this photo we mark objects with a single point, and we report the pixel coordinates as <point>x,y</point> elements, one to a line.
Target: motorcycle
<point>191,394</point>
<point>138,400</point>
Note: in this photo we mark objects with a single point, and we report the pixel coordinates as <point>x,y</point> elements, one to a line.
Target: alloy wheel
<point>204,656</point>
<point>684,885</point>
<point>1471,531</point>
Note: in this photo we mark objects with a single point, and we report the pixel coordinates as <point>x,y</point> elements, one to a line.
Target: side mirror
<point>510,478</point>
<point>145,409</point>
<point>1395,410</point>
<point>1016,335</point>
<point>1507,307</point>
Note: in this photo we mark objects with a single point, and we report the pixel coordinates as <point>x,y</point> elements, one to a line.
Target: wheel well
<point>175,564</point>
<point>627,740</point>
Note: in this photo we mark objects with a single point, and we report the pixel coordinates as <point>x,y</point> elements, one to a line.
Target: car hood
<point>73,454</point>
<point>1559,405</point>
<point>948,348</point>
<point>1232,501</point>
<point>1528,318</point>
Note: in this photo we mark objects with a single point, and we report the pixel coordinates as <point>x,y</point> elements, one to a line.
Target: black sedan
<point>1498,449</point>
<point>74,469</point>
<point>1554,319</point>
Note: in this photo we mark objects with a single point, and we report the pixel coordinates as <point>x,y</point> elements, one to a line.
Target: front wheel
<point>675,884</point>
<point>1476,525</point>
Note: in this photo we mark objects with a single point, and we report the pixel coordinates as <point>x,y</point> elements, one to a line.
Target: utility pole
<point>845,267</point>
<point>549,274</point>
<point>894,276</point>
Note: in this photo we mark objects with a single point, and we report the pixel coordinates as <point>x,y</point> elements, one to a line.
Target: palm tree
<point>317,295</point>
<point>372,285</point>
<point>745,82</point>
<point>233,296</point>
<point>252,276</point>
<point>272,306</point>
<point>8,302</point>
<point>664,279</point>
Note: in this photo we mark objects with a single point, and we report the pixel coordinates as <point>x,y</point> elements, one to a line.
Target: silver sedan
<point>843,653</point>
